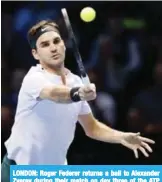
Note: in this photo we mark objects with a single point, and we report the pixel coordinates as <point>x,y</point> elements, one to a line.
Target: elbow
<point>91,132</point>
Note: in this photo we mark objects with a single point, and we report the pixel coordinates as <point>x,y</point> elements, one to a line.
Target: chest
<point>68,81</point>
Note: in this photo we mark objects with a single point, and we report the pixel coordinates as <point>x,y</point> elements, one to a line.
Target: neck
<point>61,71</point>
<point>55,70</point>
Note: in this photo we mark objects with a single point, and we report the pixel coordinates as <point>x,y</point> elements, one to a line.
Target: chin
<point>57,64</point>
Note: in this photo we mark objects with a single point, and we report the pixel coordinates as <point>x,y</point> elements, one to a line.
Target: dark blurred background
<point>122,53</point>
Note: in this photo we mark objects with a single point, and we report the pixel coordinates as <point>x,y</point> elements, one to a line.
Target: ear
<point>63,44</point>
<point>35,54</point>
<point>64,47</point>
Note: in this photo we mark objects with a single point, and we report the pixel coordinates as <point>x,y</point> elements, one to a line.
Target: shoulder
<point>34,77</point>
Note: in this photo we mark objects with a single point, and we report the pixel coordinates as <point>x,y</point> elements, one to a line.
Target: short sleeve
<point>33,85</point>
<point>85,108</point>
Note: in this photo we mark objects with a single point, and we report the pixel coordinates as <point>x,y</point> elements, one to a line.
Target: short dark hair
<point>35,31</point>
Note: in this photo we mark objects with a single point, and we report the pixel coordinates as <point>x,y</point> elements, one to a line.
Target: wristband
<point>74,94</point>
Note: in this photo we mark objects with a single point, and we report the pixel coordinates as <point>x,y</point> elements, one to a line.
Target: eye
<point>57,40</point>
<point>45,44</point>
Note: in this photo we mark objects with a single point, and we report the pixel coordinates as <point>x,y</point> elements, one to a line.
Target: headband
<point>32,39</point>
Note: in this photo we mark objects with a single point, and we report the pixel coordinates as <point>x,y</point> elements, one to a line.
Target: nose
<point>53,48</point>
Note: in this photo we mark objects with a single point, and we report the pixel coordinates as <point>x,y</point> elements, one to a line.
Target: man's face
<point>50,50</point>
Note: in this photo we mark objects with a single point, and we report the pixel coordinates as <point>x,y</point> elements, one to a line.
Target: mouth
<point>56,56</point>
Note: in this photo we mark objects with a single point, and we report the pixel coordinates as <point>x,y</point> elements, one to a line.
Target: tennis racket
<point>84,76</point>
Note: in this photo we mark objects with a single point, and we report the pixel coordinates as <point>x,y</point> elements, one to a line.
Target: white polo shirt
<point>43,129</point>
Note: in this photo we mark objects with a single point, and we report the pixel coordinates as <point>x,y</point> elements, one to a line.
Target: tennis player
<point>51,100</point>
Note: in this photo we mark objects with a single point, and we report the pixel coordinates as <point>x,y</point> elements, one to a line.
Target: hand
<point>87,92</point>
<point>134,142</point>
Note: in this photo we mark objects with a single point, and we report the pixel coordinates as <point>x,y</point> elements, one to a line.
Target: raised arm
<point>66,94</point>
<point>96,130</point>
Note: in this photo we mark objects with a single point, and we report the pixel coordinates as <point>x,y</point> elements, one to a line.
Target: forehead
<point>48,36</point>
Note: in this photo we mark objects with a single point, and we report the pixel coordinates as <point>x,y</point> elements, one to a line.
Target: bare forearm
<point>64,94</point>
<point>61,94</point>
<point>101,132</point>
<point>57,94</point>
<point>106,134</point>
